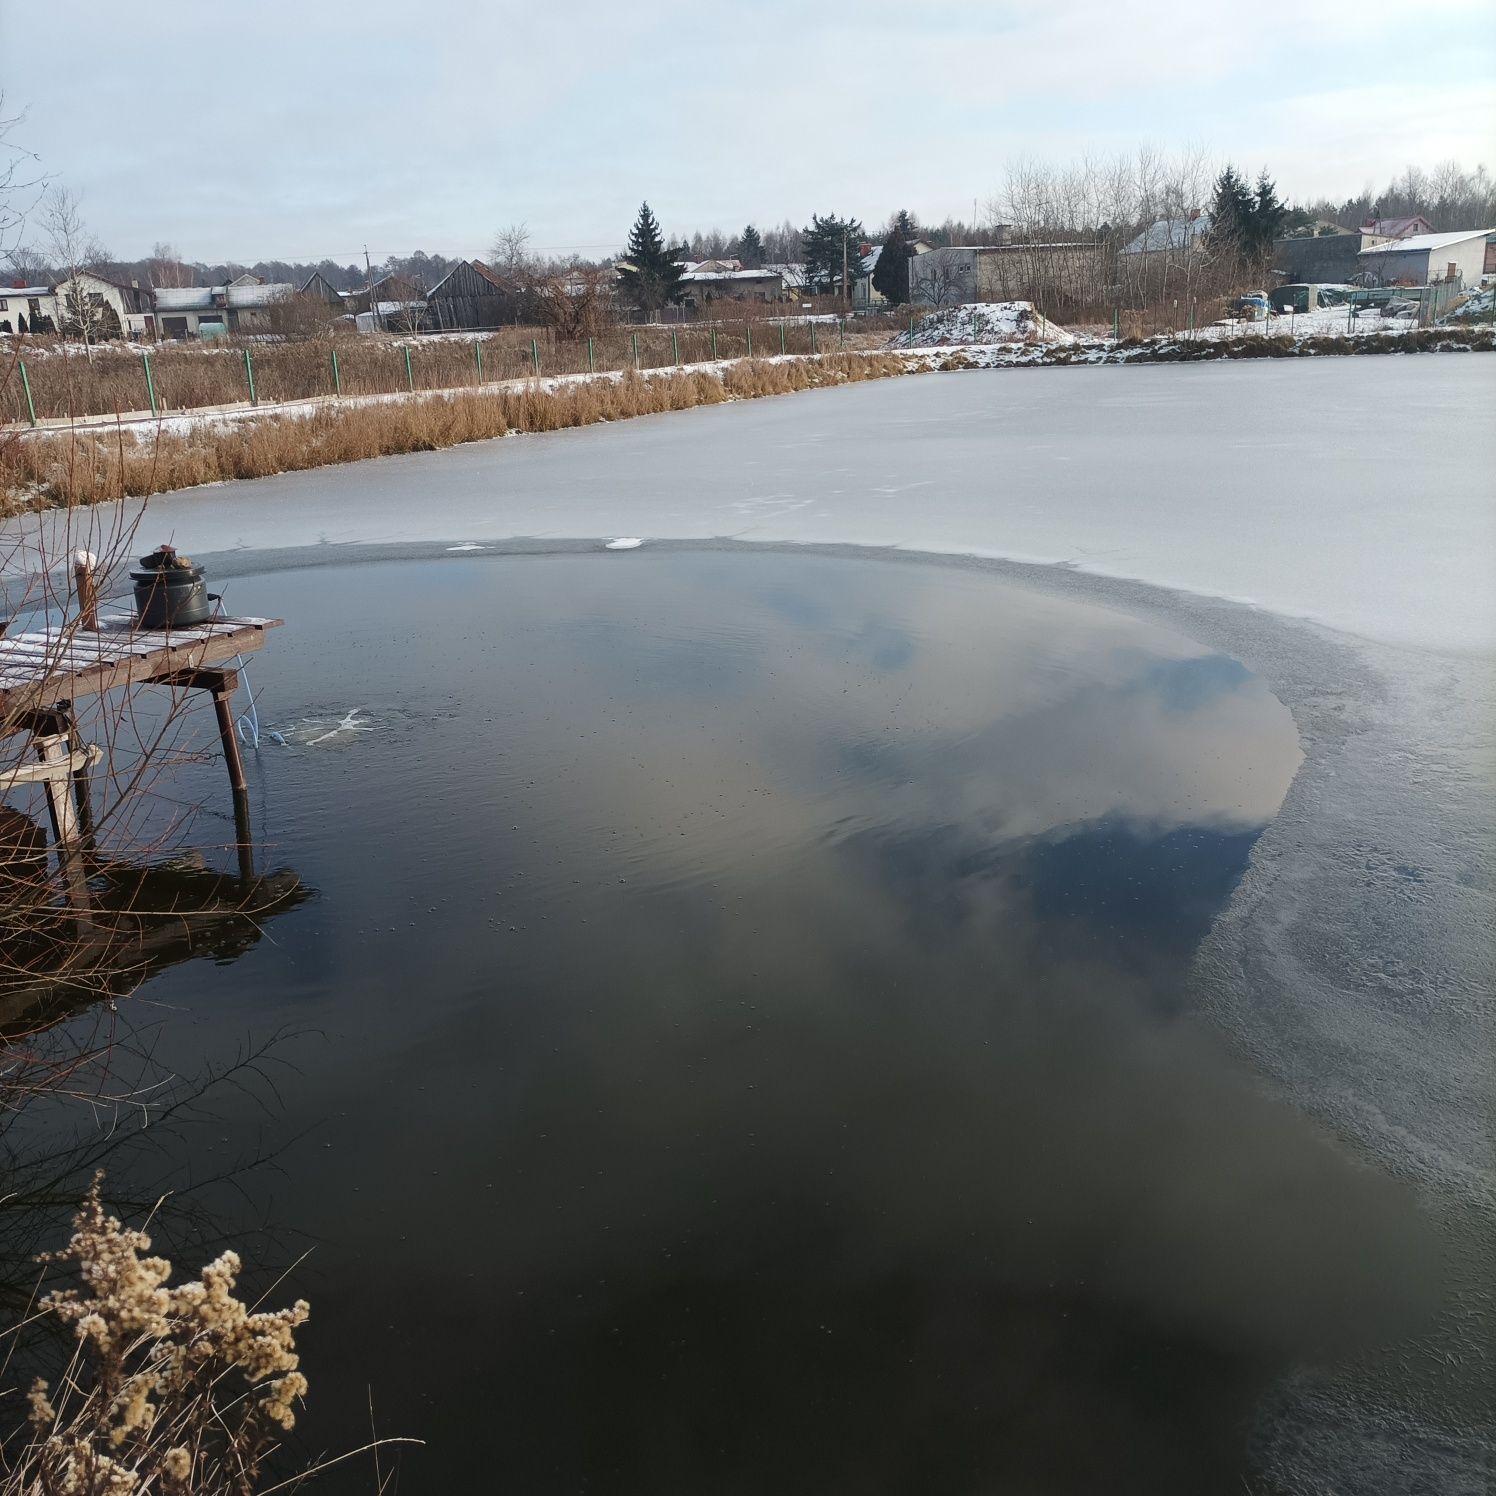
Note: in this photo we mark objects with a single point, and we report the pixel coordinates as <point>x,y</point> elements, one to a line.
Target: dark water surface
<point>740,1037</point>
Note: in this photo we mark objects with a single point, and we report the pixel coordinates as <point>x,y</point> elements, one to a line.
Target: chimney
<point>1194,214</point>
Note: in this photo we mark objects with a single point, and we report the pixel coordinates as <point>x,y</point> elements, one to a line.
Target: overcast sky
<point>305,130</point>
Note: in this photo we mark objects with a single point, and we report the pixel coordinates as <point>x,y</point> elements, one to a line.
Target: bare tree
<point>510,256</point>
<point>21,184</point>
<point>938,278</point>
<point>167,268</point>
<point>74,252</point>
<point>574,299</point>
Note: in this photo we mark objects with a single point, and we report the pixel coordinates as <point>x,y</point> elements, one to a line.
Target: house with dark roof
<point>319,286</point>
<point>122,309</point>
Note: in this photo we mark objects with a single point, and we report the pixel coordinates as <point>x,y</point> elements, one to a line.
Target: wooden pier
<point>44,672</point>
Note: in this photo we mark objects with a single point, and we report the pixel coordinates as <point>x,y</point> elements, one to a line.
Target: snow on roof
<point>791,274</point>
<point>1415,242</point>
<point>201,298</point>
<point>722,275</point>
<point>265,294</point>
<point>25,291</point>
<point>183,298</point>
<point>1169,233</point>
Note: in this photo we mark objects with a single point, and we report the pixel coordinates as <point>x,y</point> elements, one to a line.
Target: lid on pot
<point>165,558</point>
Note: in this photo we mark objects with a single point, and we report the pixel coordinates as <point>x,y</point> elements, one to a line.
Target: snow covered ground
<point>1322,322</point>
<point>982,322</point>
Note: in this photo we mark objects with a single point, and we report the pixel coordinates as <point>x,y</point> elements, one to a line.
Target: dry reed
<point>94,465</point>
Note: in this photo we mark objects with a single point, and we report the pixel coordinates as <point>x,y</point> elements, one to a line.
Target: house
<point>28,309</point>
<point>864,293</point>
<point>1171,235</point>
<point>117,309</point>
<point>1396,228</point>
<point>1421,259</point>
<point>704,281</point>
<point>472,297</point>
<point>965,273</point>
<point>210,311</point>
<point>793,276</point>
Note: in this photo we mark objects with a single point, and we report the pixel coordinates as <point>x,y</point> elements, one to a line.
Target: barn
<point>470,297</point>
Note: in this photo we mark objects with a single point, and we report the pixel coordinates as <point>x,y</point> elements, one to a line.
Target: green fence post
<point>1116,324</point>
<point>781,337</point>
<point>535,355</point>
<point>410,373</point>
<point>478,359</point>
<point>249,374</point>
<point>26,387</point>
<point>634,339</point>
<point>337,375</point>
<point>911,327</point>
<point>714,342</point>
<point>675,346</point>
<point>841,333</point>
<point>748,328</point>
<point>591,359</point>
<point>813,347</point>
<point>150,383</point>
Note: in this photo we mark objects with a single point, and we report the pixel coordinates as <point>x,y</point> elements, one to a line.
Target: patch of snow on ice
<point>624,543</point>
<point>469,545</point>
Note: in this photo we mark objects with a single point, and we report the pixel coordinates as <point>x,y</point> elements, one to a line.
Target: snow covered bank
<point>982,323</point>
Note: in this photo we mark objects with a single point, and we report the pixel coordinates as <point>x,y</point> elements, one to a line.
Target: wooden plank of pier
<point>41,667</point>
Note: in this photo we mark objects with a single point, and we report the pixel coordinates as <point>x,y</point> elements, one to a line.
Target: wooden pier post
<point>88,590</point>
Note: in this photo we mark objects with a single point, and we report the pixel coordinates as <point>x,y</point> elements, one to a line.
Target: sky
<point>303,131</point>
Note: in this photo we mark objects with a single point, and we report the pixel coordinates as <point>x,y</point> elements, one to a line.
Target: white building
<point>27,309</point>
<point>1421,259</point>
<point>125,311</point>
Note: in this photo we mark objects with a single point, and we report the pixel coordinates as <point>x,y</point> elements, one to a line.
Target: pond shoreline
<point>97,461</point>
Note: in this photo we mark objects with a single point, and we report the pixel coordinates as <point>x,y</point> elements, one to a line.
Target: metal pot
<point>170,596</point>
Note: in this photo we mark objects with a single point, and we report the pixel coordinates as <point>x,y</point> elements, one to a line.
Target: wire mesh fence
<point>62,381</point>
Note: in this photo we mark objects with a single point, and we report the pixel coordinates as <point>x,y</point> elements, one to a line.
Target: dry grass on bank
<point>67,381</point>
<point>97,464</point>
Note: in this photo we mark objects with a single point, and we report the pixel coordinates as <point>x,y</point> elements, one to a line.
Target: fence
<point>64,381</point>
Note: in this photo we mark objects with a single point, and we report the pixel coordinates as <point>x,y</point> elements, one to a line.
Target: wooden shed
<point>471,297</point>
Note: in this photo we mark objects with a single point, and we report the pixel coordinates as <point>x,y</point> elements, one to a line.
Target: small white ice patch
<point>624,543</point>
<point>468,546</point>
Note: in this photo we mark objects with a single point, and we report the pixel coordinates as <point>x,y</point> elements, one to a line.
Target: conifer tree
<point>891,273</point>
<point>651,277</point>
<point>824,245</point>
<point>750,248</point>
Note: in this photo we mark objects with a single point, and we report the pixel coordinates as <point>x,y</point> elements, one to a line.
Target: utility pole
<point>846,289</point>
<point>374,318</point>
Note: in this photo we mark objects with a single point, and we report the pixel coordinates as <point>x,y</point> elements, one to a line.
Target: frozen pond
<point>1353,491</point>
<point>1346,978</point>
